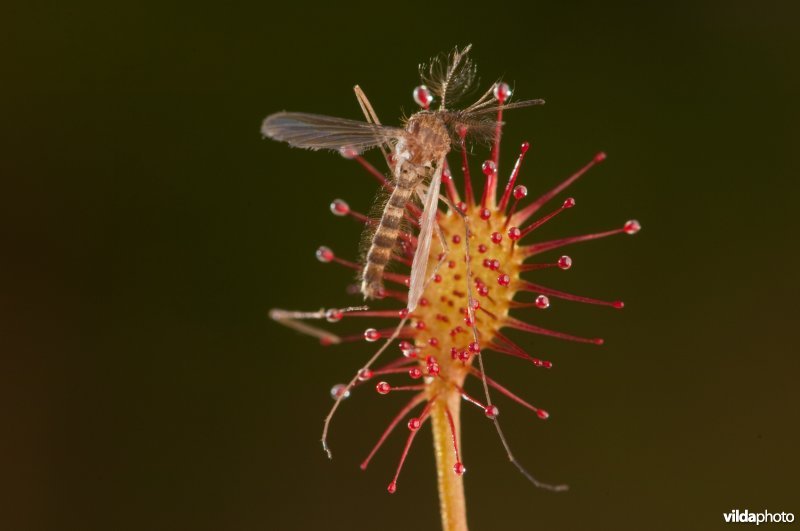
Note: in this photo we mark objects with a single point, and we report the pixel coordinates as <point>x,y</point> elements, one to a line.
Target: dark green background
<point>147,229</point>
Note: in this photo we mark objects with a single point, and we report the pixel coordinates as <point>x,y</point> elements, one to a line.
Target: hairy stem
<point>451,486</point>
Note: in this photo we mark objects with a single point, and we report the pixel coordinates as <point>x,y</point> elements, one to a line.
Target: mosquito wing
<point>315,131</point>
<point>480,109</point>
<point>419,266</point>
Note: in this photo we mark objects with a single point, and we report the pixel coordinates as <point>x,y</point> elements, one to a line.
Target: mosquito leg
<point>471,315</point>
<point>483,101</point>
<point>294,320</point>
<point>377,354</point>
<point>369,114</point>
<point>353,381</point>
<point>366,106</point>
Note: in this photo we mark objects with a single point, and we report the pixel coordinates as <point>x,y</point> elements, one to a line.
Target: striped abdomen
<point>385,237</point>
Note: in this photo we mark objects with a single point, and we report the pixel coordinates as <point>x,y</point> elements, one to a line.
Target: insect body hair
<point>375,214</point>
<point>385,236</point>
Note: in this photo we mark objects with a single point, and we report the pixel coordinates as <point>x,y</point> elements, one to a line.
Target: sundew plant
<point>451,267</point>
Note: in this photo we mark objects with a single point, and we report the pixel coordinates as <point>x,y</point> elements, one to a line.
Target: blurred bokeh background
<point>147,229</point>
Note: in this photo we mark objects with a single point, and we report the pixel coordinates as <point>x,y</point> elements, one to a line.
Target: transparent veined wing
<point>492,109</point>
<point>316,131</point>
<point>419,266</point>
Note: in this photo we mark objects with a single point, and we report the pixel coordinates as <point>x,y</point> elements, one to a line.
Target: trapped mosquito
<point>417,158</point>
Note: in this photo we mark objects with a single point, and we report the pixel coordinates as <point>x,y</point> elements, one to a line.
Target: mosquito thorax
<point>427,137</point>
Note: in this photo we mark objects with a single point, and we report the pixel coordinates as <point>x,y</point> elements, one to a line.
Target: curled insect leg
<point>471,306</point>
<point>294,320</point>
<point>344,392</point>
